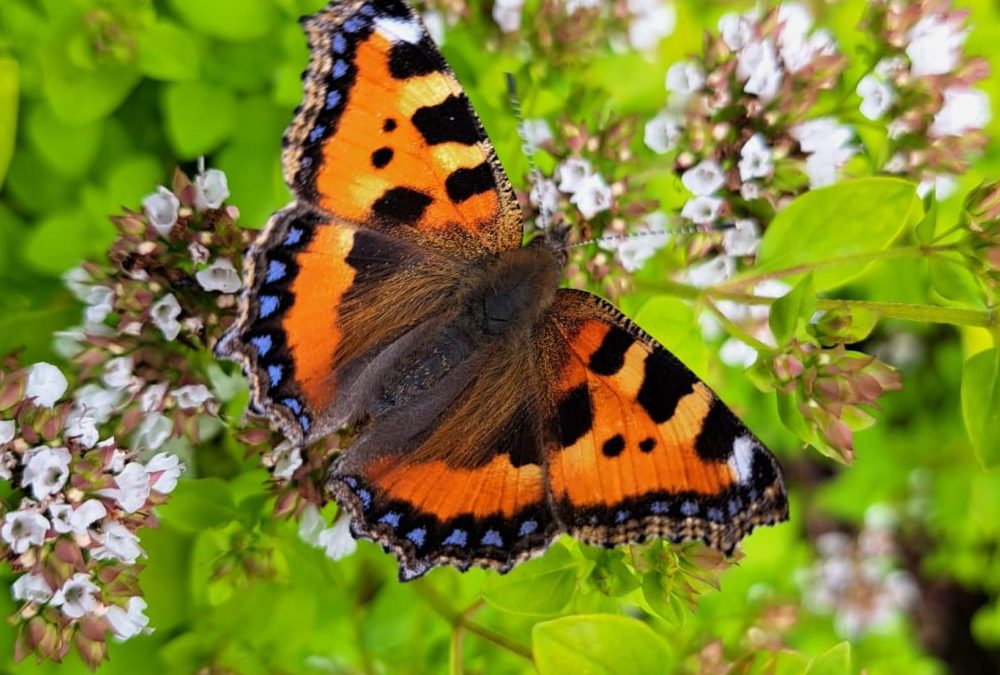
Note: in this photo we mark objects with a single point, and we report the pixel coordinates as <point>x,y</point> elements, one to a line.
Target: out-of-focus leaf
<point>848,219</point>
<point>834,661</point>
<point>952,280</point>
<point>199,117</point>
<point>62,240</point>
<point>67,148</point>
<point>925,229</point>
<point>199,503</point>
<point>235,20</point>
<point>795,306</point>
<point>9,95</point>
<point>981,404</point>
<point>168,52</point>
<point>599,644</point>
<point>672,322</point>
<point>540,587</point>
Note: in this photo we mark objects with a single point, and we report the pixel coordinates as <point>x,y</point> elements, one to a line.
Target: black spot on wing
<point>408,60</point>
<point>574,414</point>
<point>610,356</point>
<point>647,444</point>
<point>447,122</point>
<point>389,125</point>
<point>666,381</point>
<point>613,446</point>
<point>718,431</point>
<point>764,471</point>
<point>396,9</point>
<point>465,183</point>
<point>381,157</point>
<point>519,440</point>
<point>401,205</point>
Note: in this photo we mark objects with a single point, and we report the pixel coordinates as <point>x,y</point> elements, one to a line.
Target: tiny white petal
<point>537,131</point>
<point>311,525</point>
<point>86,514</point>
<point>83,428</point>
<point>129,622</point>
<point>191,396</point>
<point>507,14</point>
<point>704,178</point>
<point>220,276</point>
<point>8,428</point>
<point>168,469</point>
<point>737,354</point>
<point>592,195</point>
<point>755,159</point>
<point>46,384</point>
<point>211,190</point>
<point>162,209</point>
<point>712,272</point>
<point>877,97</point>
<point>571,173</point>
<point>46,471</point>
<point>964,110</point>
<point>164,315</point>
<point>661,133</point>
<point>131,487</point>
<point>32,588</point>
<point>648,28</point>
<point>737,30</point>
<point>935,46</point>
<point>702,209</point>
<point>118,543</point>
<point>153,431</point>
<point>287,459</point>
<point>742,239</point>
<point>685,78</point>
<point>337,540</point>
<point>23,529</point>
<point>118,372</point>
<point>76,597</point>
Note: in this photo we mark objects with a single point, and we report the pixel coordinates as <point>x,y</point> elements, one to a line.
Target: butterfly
<point>492,410</point>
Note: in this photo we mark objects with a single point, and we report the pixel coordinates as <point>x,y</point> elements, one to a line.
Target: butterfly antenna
<point>527,147</point>
<point>680,229</point>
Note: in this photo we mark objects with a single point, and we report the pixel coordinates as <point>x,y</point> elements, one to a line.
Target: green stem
<point>458,619</point>
<point>735,329</point>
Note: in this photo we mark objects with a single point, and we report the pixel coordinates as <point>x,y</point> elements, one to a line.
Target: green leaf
<point>672,322</point>
<point>786,312</point>
<point>852,218</point>
<point>235,20</point>
<point>199,117</point>
<point>925,229</point>
<point>10,87</point>
<point>540,587</point>
<point>981,404</point>
<point>658,591</point>
<point>599,644</point>
<point>953,281</point>
<point>198,504</point>
<point>168,52</point>
<point>844,325</point>
<point>834,661</point>
<point>791,417</point>
<point>67,148</point>
<point>63,239</point>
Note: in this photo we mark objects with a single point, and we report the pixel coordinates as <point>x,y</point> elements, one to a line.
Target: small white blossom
<point>876,96</point>
<point>198,252</point>
<point>889,67</point>
<point>164,314</point>
<point>152,398</point>
<point>100,301</point>
<point>702,209</point>
<point>211,189</point>
<point>8,428</point>
<point>711,272</point>
<point>507,14</point>
<point>76,597</point>
<point>77,520</point>
<point>943,184</point>
<point>78,281</point>
<point>287,459</point>
<point>153,431</point>
<point>337,541</point>
<point>219,276</point>
<point>750,191</point>
<point>310,525</point>
<point>131,488</point>
<point>97,402</point>
<point>755,159</point>
<point>964,110</point>
<point>162,209</point>
<point>935,45</point>
<point>118,372</point>
<point>31,588</point>
<point>661,133</point>
<point>651,22</point>
<point>822,133</point>
<point>635,250</point>
<point>685,78</point>
<point>68,343</point>
<point>592,195</point>
<point>571,174</point>
<point>737,30</point>
<point>23,529</point>
<point>83,428</point>
<point>129,622</point>
<point>822,167</point>
<point>191,396</point>
<point>758,65</point>
<point>167,469</point>
<point>704,178</point>
<point>737,353</point>
<point>545,195</point>
<point>46,384</point>
<point>896,164</point>
<point>537,131</point>
<point>46,470</point>
<point>118,543</point>
<point>742,239</point>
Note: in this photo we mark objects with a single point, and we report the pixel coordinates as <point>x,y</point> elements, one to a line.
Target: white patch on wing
<point>399,30</point>
<point>741,461</point>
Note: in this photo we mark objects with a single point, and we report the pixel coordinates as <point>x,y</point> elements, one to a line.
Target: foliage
<point>807,281</point>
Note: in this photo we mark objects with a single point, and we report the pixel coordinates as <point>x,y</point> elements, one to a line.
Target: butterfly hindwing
<point>640,446</point>
<point>387,138</point>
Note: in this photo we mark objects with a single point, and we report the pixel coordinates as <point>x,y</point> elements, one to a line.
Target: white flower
<point>76,597</point>
<point>337,541</point>
<point>161,209</point>
<point>896,164</point>
<point>219,276</point>
<point>822,133</point>
<point>132,487</point>
<point>537,131</point>
<point>507,14</point>
<point>943,185</point>
<point>97,402</point>
<point>153,431</point>
<point>164,314</point>
<point>685,78</point>
<point>311,525</point>
<point>755,159</point>
<point>46,384</point>
<point>572,172</point>
<point>118,543</point>
<point>8,428</point>
<point>78,281</point>
<point>737,353</point>
<point>822,166</point>
<point>592,195</point>
<point>434,21</point>
<point>704,178</point>
<point>67,519</point>
<point>168,468</point>
<point>68,343</point>
<point>31,587</point>
<point>545,195</point>
<point>152,397</point>
<point>644,242</point>
<point>118,372</point>
<point>742,239</point>
<point>651,22</point>
<point>100,301</point>
<point>84,429</point>
<point>702,210</point>
<point>889,67</point>
<point>46,470</point>
<point>191,396</point>
<point>876,96</point>
<point>127,623</point>
<point>737,30</point>
<point>22,529</point>
<point>935,46</point>
<point>711,272</point>
<point>661,133</point>
<point>964,110</point>
<point>211,189</point>
<point>758,65</point>
<point>287,459</point>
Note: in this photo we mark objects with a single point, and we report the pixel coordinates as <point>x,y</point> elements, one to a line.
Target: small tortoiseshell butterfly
<point>492,409</point>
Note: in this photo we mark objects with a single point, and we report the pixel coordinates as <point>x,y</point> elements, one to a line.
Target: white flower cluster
<point>649,22</point>
<point>753,318</point>
<point>163,207</point>
<point>586,188</point>
<point>336,541</point>
<point>827,145</point>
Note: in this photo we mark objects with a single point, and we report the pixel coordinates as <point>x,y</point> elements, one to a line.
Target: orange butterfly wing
<point>640,446</point>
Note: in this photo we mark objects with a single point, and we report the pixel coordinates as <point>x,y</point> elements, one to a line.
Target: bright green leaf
<point>834,661</point>
<point>852,218</point>
<point>952,280</point>
<point>981,404</point>
<point>62,240</point>
<point>925,229</point>
<point>67,148</point>
<point>791,417</point>
<point>672,322</point>
<point>599,644</point>
<point>199,117</point>
<point>235,20</point>
<point>168,52</point>
<point>9,95</point>
<point>796,305</point>
<point>539,588</point>
<point>199,503</point>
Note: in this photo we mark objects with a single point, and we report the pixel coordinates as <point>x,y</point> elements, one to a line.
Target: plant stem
<point>458,620</point>
<point>735,329</point>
